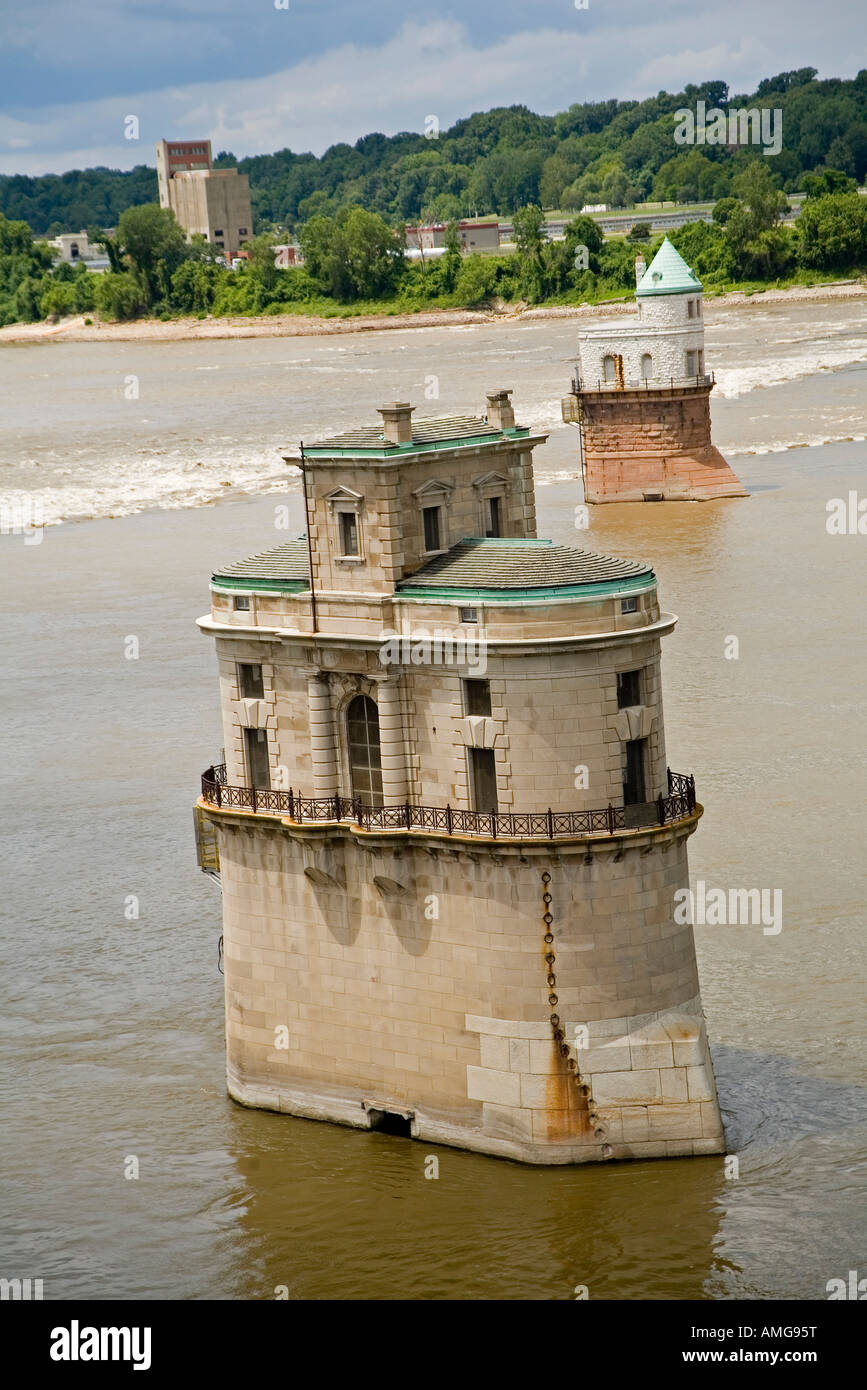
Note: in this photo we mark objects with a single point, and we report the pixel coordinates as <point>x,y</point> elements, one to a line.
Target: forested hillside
<point>616,152</point>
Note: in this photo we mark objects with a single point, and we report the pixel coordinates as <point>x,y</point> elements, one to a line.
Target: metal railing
<point>517,825</point>
<point>653,383</point>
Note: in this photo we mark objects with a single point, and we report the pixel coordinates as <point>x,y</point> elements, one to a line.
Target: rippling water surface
<point>112,1027</point>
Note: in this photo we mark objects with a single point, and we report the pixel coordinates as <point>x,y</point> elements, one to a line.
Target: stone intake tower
<point>446,833</point>
<point>641,397</point>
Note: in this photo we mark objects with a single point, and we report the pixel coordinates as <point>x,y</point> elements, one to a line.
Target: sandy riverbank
<point>298,326</point>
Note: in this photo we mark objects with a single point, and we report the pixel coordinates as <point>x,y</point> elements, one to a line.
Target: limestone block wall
<point>462,503</point>
<point>556,729</point>
<point>409,974</point>
<point>653,442</point>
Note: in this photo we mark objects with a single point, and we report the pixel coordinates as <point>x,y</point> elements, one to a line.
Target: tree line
<point>354,259</point>
<point>614,152</point>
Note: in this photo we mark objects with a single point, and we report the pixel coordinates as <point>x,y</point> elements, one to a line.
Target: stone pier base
<point>653,444</point>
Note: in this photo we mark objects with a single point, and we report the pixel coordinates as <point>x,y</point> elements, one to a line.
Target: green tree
<point>154,245</point>
<point>57,299</point>
<point>825,181</point>
<point>832,232</point>
<point>121,296</point>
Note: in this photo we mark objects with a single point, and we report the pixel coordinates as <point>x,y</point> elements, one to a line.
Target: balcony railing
<point>445,820</point>
<point>653,383</point>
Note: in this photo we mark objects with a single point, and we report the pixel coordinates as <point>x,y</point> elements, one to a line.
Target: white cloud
<point>425,68</point>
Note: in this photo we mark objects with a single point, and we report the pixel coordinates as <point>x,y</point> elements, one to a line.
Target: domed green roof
<point>668,273</point>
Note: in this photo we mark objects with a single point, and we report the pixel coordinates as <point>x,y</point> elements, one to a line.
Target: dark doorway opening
<point>633,776</point>
<point>258,768</point>
<point>483,770</point>
<point>386,1122</point>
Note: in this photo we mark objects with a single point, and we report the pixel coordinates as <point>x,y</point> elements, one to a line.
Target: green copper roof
<point>507,570</point>
<point>285,567</point>
<point>668,273</point>
<point>447,432</point>
<point>510,569</point>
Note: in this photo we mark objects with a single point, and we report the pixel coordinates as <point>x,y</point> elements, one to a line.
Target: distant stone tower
<point>447,837</point>
<point>642,396</point>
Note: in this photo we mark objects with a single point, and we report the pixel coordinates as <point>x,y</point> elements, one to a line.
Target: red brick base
<point>652,445</point>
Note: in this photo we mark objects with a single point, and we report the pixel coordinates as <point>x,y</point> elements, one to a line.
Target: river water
<point>112,1023</point>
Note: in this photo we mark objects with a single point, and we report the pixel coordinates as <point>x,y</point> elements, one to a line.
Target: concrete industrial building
<point>446,834</point>
<point>214,203</point>
<point>473,236</point>
<point>642,396</point>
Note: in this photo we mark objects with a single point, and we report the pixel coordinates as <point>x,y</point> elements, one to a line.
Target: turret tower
<point>447,836</point>
<point>641,396</point>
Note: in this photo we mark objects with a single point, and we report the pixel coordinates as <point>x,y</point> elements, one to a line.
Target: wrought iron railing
<point>645,384</point>
<point>520,825</point>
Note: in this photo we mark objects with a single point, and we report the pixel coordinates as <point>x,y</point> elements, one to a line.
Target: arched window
<point>365,761</point>
<point>608,368</point>
<point>646,366</point>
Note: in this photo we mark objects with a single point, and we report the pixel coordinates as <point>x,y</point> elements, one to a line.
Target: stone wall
<point>555,727</point>
<point>408,974</point>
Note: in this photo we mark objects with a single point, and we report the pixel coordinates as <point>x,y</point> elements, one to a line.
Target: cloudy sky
<point>260,75</point>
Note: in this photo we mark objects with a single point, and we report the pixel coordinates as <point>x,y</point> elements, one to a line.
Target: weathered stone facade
<point>652,444</point>
<point>641,397</point>
<point>522,990</point>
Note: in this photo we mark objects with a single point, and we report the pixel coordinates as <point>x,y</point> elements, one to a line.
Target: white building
<point>665,341</point>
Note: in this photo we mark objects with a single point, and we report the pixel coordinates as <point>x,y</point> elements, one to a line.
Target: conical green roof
<point>668,273</point>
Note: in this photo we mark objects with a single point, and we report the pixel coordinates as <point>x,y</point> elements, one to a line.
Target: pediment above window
<point>491,480</point>
<point>432,488</point>
<point>344,494</point>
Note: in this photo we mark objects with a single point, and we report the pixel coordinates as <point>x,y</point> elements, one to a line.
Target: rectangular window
<point>633,775</point>
<point>242,231</point>
<point>690,308</point>
<point>218,231</point>
<point>241,603</point>
<point>692,363</point>
<point>256,748</point>
<point>484,779</point>
<point>493,509</point>
<point>250,682</point>
<point>477,697</point>
<point>348,533</point>
<point>629,605</point>
<point>431,518</point>
<point>628,689</point>
<point>469,615</point>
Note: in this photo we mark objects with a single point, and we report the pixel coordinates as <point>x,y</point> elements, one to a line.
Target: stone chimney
<point>397,422</point>
<point>640,267</point>
<point>499,414</point>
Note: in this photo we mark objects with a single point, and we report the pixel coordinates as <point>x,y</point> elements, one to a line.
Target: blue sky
<point>255,78</point>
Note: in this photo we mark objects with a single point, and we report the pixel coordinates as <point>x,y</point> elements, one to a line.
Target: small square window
<point>629,605</point>
<point>242,231</point>
<point>469,615</point>
<point>241,603</point>
<point>218,231</point>
<point>628,689</point>
<point>349,533</point>
<point>250,682</point>
<point>477,697</point>
<point>432,536</point>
